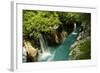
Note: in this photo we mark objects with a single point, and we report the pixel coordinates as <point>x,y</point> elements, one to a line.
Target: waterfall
<point>74,29</point>
<point>45,55</point>
<point>42,43</point>
<point>74,26</point>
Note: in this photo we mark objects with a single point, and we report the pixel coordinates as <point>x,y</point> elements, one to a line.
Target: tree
<point>35,22</point>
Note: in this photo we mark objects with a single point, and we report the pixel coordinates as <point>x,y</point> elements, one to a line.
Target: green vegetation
<point>82,50</point>
<point>35,22</point>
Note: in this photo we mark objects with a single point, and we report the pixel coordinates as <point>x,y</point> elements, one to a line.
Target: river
<point>60,52</point>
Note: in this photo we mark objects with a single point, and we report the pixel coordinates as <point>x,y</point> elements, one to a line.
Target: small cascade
<point>42,43</point>
<point>45,51</point>
<point>74,26</point>
<point>74,29</point>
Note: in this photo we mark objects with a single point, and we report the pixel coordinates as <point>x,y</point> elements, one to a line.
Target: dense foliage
<point>35,22</point>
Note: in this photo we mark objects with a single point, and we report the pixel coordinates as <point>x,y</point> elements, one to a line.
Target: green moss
<point>82,50</point>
